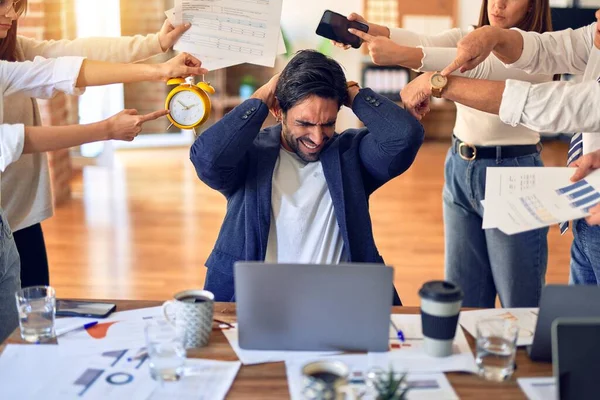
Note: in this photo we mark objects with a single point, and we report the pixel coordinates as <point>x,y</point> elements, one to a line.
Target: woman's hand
<point>374,30</point>
<point>169,34</point>
<point>182,65</point>
<point>383,51</point>
<point>127,124</point>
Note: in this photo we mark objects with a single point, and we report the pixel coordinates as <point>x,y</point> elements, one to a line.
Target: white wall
<point>300,18</point>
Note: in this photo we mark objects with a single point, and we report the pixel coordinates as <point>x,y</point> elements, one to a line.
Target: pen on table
<point>398,331</point>
<point>60,332</point>
<point>138,356</point>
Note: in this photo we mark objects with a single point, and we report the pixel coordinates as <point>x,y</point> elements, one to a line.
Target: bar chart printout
<point>522,199</point>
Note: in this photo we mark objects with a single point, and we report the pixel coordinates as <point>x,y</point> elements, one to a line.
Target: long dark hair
<point>9,43</point>
<point>310,73</point>
<point>538,17</point>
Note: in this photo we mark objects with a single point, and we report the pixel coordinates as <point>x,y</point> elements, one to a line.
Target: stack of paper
<point>538,388</point>
<point>230,32</point>
<point>525,318</point>
<point>522,199</point>
<point>410,355</point>
<point>423,386</point>
<point>250,357</point>
<point>60,372</point>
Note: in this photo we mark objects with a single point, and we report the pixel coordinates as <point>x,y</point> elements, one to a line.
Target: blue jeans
<point>10,281</point>
<point>585,254</point>
<point>488,262</point>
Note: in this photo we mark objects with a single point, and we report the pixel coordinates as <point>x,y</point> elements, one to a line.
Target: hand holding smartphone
<point>335,26</point>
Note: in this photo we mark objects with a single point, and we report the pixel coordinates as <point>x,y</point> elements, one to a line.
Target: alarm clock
<point>188,103</point>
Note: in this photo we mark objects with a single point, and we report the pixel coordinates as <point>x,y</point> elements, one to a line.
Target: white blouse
<point>26,184</point>
<point>558,106</point>
<point>472,126</point>
<point>41,78</point>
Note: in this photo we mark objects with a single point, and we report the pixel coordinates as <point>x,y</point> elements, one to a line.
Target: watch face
<point>186,108</point>
<point>439,80</point>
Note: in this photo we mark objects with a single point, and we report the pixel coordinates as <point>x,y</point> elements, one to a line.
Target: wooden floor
<point>144,229</point>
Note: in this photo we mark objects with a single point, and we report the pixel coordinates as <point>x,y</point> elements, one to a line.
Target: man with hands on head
<point>547,107</point>
<point>298,192</point>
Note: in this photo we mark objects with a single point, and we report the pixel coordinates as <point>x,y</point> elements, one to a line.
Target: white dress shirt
<point>303,227</point>
<point>41,78</point>
<point>557,106</point>
<point>26,185</point>
<point>471,126</point>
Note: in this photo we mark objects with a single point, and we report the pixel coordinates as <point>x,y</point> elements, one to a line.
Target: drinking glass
<point>37,310</point>
<point>166,351</point>
<point>496,348</point>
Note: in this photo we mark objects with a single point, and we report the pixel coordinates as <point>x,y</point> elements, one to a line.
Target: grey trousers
<point>10,281</point>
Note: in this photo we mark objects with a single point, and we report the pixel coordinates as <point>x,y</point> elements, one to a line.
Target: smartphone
<point>90,309</point>
<point>335,26</point>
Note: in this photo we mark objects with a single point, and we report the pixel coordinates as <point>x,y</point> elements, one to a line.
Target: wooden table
<point>268,381</point>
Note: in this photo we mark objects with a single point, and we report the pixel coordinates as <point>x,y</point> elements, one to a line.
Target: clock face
<point>439,80</point>
<point>186,108</point>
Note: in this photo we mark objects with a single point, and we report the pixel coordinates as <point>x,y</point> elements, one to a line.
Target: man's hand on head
<point>353,89</point>
<point>416,95</point>
<point>266,94</point>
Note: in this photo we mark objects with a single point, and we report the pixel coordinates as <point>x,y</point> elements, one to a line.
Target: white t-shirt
<point>472,126</point>
<point>303,227</point>
<point>41,78</point>
<point>558,106</point>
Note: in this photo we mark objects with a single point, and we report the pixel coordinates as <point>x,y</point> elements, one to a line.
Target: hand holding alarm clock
<point>188,103</point>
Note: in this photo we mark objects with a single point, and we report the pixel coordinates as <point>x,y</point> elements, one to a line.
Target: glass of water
<point>496,348</point>
<point>37,309</point>
<point>166,351</point>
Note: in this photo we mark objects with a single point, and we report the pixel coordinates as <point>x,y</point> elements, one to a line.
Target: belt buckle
<point>473,149</point>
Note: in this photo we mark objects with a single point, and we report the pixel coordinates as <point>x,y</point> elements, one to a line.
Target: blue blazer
<point>237,158</point>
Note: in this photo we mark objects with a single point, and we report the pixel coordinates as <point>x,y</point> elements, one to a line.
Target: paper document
<point>214,63</point>
<point>423,386</point>
<point>48,372</point>
<point>124,329</point>
<point>231,29</point>
<point>522,199</point>
<point>249,357</point>
<point>211,380</point>
<point>411,357</point>
<point>538,388</point>
<point>526,319</point>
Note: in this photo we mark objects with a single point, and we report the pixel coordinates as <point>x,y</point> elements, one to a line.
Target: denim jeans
<point>10,281</point>
<point>585,254</point>
<point>488,262</point>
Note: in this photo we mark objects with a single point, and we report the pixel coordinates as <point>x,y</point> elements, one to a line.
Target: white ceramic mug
<point>192,316</point>
<point>327,380</point>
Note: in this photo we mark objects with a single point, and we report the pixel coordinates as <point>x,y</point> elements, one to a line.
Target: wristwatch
<point>438,83</point>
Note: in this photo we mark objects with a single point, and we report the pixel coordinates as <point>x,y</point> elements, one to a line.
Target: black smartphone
<point>90,309</point>
<point>335,26</point>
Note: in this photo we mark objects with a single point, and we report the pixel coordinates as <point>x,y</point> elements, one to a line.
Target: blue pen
<point>398,331</point>
<point>75,327</point>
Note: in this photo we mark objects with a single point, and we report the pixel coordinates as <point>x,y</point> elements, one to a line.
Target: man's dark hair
<point>310,73</point>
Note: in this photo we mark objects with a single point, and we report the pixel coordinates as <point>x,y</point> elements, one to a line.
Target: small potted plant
<point>389,385</point>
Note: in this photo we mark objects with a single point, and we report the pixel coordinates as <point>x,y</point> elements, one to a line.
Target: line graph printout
<point>231,29</point>
<point>522,199</point>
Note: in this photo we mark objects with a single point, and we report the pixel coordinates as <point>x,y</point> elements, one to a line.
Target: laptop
<point>312,307</point>
<point>576,357</point>
<point>561,301</point>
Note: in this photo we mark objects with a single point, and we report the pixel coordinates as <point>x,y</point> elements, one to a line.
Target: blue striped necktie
<point>575,151</point>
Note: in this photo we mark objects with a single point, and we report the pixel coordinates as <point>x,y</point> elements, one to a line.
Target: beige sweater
<point>25,184</point>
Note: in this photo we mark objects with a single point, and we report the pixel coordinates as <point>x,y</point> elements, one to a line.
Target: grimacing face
<point>507,14</point>
<point>308,126</point>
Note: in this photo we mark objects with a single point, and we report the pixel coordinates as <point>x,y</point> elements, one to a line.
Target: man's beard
<point>294,144</point>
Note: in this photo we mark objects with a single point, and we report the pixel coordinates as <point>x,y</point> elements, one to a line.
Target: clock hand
<point>193,105</point>
<point>184,106</point>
